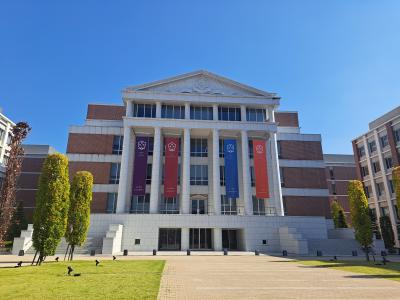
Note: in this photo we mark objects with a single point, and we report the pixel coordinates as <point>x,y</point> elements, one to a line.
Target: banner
<point>140,166</point>
<point>231,169</point>
<point>260,169</point>
<point>171,167</point>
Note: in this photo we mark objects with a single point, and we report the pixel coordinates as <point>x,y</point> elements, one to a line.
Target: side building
<point>376,152</point>
<point>6,126</point>
<point>339,170</point>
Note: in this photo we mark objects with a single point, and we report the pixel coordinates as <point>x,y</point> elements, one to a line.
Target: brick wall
<point>307,206</point>
<point>90,143</point>
<point>105,112</point>
<point>301,150</point>
<point>342,173</point>
<point>287,119</point>
<point>99,203</point>
<point>100,170</point>
<point>313,178</point>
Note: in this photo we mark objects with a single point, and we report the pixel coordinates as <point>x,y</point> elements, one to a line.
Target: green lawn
<point>369,269</point>
<point>120,279</point>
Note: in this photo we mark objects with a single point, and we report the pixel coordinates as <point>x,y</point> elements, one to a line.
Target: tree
<point>52,203</point>
<point>339,218</point>
<point>79,210</point>
<point>18,223</point>
<point>360,215</point>
<point>396,183</point>
<point>387,232</point>
<point>13,170</point>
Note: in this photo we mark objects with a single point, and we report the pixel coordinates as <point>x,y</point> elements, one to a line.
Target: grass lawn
<point>120,279</point>
<point>369,269</point>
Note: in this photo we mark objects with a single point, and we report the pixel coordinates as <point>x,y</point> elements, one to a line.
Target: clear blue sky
<point>336,62</point>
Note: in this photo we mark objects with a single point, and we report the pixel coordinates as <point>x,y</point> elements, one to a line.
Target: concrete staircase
<point>292,241</point>
<point>90,244</point>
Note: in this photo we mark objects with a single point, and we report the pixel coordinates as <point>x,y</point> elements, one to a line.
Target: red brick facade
<point>300,150</point>
<point>312,178</point>
<point>90,143</point>
<point>99,203</point>
<point>287,119</point>
<point>100,170</point>
<point>306,206</point>
<point>105,112</point>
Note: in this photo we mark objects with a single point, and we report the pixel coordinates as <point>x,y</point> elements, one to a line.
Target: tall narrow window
<point>117,144</point>
<point>141,110</point>
<point>198,148</point>
<point>114,173</point>
<point>258,206</point>
<point>111,203</point>
<point>140,204</point>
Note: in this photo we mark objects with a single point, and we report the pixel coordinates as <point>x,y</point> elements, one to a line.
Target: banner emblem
<point>141,145</point>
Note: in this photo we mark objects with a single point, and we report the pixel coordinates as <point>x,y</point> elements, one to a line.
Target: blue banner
<point>231,169</point>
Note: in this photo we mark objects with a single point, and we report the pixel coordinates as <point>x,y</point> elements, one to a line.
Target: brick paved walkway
<point>265,277</point>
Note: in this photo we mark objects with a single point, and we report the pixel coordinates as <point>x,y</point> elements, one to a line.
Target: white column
<point>216,171</point>
<point>243,113</point>
<point>247,199</point>
<point>155,172</point>
<point>4,141</point>
<point>185,183</point>
<point>215,112</point>
<point>129,109</point>
<point>184,238</point>
<point>187,111</point>
<point>123,190</point>
<point>158,110</point>
<point>276,177</point>
<point>217,239</point>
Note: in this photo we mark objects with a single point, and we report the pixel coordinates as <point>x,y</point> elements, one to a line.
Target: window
<point>221,148</point>
<point>173,112</point>
<point>388,162</point>
<point>201,113</point>
<point>361,151</point>
<point>252,177</point>
<point>169,205</point>
<point>111,203</point>
<point>9,139</point>
<point>376,166</point>
<point>151,146</point>
<point>199,175</point>
<point>117,144</point>
<point>264,242</point>
<point>282,176</point>
<point>384,141</point>
<point>366,190</point>
<point>279,146</point>
<point>2,132</point>
<point>384,211</point>
<point>258,206</point>
<point>379,189</point>
<point>198,147</point>
<point>228,206</point>
<point>140,204</point>
<point>391,186</point>
<point>251,149</point>
<point>222,175</point>
<point>331,175</point>
<point>148,173</point>
<point>372,147</point>
<point>397,135</point>
<point>256,114</point>
<point>137,241</point>
<point>364,171</point>
<point>114,173</point>
<point>333,188</point>
<point>229,114</point>
<point>144,110</point>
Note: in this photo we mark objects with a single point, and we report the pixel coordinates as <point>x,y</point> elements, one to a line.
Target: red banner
<point>260,168</point>
<point>171,167</point>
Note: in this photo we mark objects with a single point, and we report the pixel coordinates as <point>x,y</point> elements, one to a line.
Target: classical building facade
<point>340,169</point>
<point>201,162</point>
<point>376,153</point>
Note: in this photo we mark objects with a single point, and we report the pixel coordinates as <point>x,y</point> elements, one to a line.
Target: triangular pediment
<point>201,82</point>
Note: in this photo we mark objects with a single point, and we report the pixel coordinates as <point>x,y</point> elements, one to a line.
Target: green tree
<point>360,215</point>
<point>339,218</point>
<point>79,210</point>
<point>396,183</point>
<point>52,203</point>
<point>19,222</point>
<point>387,232</point>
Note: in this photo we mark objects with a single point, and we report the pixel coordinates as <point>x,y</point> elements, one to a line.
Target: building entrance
<point>169,239</point>
<point>200,239</point>
<point>230,239</point>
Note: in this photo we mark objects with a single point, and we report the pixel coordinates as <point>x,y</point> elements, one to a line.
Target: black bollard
<point>225,251</point>
<point>154,252</point>
<point>284,253</point>
<point>319,253</point>
<point>92,252</point>
<point>188,252</point>
<point>256,252</point>
<point>126,252</point>
<point>21,253</point>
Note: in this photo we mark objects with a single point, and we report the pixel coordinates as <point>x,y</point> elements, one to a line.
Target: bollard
<point>188,252</point>
<point>125,252</point>
<point>21,253</point>
<point>225,251</point>
<point>92,252</point>
<point>284,253</point>
<point>383,253</point>
<point>319,253</point>
<point>154,252</point>
<point>256,252</point>
<point>354,253</point>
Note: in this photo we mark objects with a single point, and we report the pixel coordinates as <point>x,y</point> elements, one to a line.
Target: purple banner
<point>140,166</point>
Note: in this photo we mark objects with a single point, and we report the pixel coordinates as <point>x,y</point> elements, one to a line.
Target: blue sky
<point>336,62</point>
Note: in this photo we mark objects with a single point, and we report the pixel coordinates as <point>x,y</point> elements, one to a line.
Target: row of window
<point>198,112</point>
<point>380,190</point>
<point>141,205</point>
<point>383,140</point>
<point>376,167</point>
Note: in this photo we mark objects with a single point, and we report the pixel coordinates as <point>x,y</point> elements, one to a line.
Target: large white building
<point>210,195</point>
<point>6,126</point>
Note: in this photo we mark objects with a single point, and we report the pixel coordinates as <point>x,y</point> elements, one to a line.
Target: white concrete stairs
<point>292,241</point>
<point>112,242</point>
<point>24,242</point>
<point>90,244</point>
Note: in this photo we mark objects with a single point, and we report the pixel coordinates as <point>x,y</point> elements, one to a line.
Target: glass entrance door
<point>230,239</point>
<point>169,239</point>
<point>198,206</point>
<point>200,239</point>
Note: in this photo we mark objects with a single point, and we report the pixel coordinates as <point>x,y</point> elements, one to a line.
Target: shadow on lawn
<point>369,276</point>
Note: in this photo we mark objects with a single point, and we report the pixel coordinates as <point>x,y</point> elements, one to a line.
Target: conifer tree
<point>387,232</point>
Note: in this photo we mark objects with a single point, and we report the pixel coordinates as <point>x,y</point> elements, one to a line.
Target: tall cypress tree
<point>338,215</point>
<point>79,210</point>
<point>360,215</point>
<point>387,232</point>
<point>396,185</point>
<point>52,203</point>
